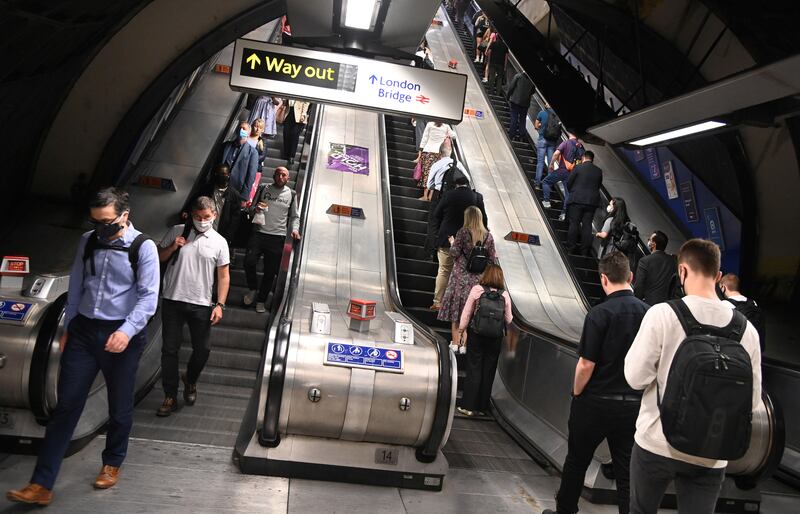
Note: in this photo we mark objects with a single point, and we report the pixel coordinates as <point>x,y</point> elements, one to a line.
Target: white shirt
<point>434,136</point>
<point>191,278</point>
<point>649,360</point>
<point>437,171</point>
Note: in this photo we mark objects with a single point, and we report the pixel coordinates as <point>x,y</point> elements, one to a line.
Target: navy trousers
<point>83,357</point>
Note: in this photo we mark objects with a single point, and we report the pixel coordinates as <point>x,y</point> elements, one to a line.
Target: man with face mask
<point>113,292</point>
<point>655,272</point>
<point>187,293</point>
<point>275,208</point>
<point>242,161</point>
<point>603,405</point>
<point>226,202</point>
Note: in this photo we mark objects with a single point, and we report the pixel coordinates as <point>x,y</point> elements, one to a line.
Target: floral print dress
<point>462,281</point>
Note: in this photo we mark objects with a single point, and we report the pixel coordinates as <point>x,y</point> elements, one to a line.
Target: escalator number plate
<point>386,456</point>
<point>6,419</point>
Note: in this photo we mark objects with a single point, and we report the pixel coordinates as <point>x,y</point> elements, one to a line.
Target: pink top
<point>469,307</point>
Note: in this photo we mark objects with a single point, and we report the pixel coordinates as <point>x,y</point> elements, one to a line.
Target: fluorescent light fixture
<point>674,134</point>
<point>360,14</point>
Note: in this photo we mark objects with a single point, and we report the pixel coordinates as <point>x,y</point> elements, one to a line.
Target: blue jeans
<point>83,357</point>
<point>553,178</point>
<point>543,147</point>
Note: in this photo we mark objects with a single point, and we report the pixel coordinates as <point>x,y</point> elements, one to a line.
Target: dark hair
<point>660,239</point>
<point>111,195</point>
<point>588,154</point>
<point>221,167</point>
<point>620,213</point>
<point>493,277</point>
<point>616,267</point>
<point>202,203</point>
<point>702,256</point>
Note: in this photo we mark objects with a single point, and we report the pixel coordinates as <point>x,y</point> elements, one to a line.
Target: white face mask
<point>610,209</point>
<point>203,226</point>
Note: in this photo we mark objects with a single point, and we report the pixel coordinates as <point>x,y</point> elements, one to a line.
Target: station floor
<point>488,474</point>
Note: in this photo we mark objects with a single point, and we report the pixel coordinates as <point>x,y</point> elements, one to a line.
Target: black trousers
<point>482,355</point>
<point>271,247</point>
<point>580,222</point>
<point>697,488</point>
<point>591,420</point>
<point>291,135</point>
<point>495,77</point>
<point>174,315</point>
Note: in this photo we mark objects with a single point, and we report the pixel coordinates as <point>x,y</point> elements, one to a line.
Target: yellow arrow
<point>253,60</point>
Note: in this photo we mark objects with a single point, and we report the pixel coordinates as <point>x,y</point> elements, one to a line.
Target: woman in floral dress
<point>462,281</point>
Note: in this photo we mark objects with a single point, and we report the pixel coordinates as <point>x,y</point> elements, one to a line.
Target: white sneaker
<point>454,347</point>
<point>260,308</point>
<point>484,80</point>
<point>249,298</point>
<point>545,204</point>
<point>462,349</point>
<point>562,217</point>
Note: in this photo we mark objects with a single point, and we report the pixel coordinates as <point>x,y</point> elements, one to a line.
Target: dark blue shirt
<point>608,332</point>
<point>542,117</point>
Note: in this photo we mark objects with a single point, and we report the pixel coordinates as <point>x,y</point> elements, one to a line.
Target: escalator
<point>584,268</point>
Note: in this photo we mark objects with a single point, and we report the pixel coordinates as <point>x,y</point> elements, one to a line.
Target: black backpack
<point>707,406</point>
<point>478,258</point>
<point>552,129</point>
<point>489,319</point>
<point>450,176</point>
<point>750,309</point>
<point>629,239</point>
<point>93,243</point>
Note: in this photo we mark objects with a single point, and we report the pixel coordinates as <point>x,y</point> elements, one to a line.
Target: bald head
<point>281,176</point>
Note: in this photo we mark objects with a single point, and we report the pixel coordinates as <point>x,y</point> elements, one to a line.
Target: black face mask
<point>105,231</point>
<point>681,281</point>
<point>221,181</point>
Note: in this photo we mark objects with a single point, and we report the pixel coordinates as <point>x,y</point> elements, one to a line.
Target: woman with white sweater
<point>434,136</point>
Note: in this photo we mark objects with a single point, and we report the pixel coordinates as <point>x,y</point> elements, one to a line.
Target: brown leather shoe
<point>31,493</point>
<point>189,390</point>
<point>169,406</point>
<point>107,478</point>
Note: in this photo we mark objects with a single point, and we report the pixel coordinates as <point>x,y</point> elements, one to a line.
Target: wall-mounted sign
<point>369,357</point>
<point>652,163</point>
<point>473,113</point>
<point>12,310</point>
<point>638,155</point>
<point>349,158</point>
<point>346,211</point>
<point>157,183</point>
<point>669,180</point>
<point>714,226</point>
<point>521,237</point>
<point>347,80</point>
<point>689,202</point>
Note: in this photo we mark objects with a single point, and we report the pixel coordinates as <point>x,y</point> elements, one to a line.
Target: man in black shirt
<point>604,406</point>
<point>656,274</point>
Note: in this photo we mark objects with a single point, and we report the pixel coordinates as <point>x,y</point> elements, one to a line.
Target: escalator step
<point>415,282</point>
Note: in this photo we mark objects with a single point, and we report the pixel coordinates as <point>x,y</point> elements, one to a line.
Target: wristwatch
<point>220,305</point>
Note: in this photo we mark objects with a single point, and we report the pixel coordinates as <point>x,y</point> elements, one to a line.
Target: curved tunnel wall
<point>117,88</point>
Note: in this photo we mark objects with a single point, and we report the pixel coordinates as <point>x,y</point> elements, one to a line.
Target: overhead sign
<point>370,357</point>
<point>11,310</point>
<point>347,80</point>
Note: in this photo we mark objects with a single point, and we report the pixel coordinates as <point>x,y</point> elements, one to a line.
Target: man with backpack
<point>194,253</point>
<point>113,292</point>
<point>603,404</point>
<point>548,126</point>
<point>441,179</point>
<point>568,155</point>
<point>698,362</point>
<point>729,284</point>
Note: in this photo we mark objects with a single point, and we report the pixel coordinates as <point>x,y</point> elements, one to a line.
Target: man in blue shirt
<point>108,306</point>
<point>544,147</point>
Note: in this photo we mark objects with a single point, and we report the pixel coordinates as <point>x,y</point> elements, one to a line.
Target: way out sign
<point>347,80</point>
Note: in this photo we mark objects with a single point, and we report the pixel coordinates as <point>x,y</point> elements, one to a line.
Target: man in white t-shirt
<point>187,298</point>
<point>654,463</point>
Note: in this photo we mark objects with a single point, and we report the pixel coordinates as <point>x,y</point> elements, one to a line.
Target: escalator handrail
<point>269,434</point>
<point>550,230</point>
<point>441,416</point>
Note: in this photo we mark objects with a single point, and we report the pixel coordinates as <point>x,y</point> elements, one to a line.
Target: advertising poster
<point>349,158</point>
<point>669,179</point>
<point>652,163</point>
<point>638,155</point>
<point>714,226</point>
<point>689,202</point>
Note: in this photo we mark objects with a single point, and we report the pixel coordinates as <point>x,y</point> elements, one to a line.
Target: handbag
<point>418,170</point>
<point>281,112</point>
